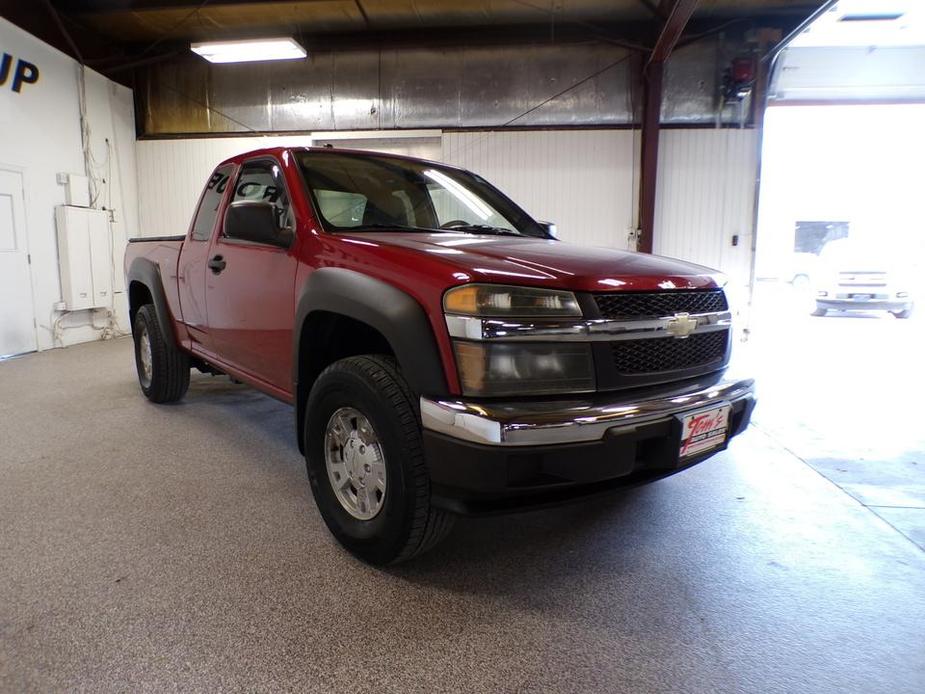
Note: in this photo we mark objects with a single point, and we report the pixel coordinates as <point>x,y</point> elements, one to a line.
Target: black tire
<point>170,367</point>
<point>406,524</point>
<point>904,314</point>
<point>819,311</point>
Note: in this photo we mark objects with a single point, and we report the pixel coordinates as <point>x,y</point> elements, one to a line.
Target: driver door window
<point>263,181</point>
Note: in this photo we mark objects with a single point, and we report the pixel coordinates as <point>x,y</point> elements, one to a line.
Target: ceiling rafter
<point>652,8</point>
<point>678,17</point>
<point>116,34</point>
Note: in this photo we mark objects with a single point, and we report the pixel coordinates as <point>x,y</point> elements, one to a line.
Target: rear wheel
<point>163,370</point>
<point>366,464</point>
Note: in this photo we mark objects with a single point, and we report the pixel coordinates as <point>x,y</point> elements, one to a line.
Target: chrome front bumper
<point>554,422</point>
<point>864,304</point>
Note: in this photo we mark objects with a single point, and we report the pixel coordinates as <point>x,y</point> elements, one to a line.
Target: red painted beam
<point>680,14</point>
<point>651,115</point>
<point>677,18</point>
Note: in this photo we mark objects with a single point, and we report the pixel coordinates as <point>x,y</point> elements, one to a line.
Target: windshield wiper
<point>484,229</point>
<point>388,227</point>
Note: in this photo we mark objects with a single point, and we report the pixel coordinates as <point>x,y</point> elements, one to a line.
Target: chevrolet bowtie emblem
<point>681,325</point>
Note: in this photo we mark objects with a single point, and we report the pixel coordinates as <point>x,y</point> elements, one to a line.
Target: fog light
<point>822,292</point>
<point>488,369</point>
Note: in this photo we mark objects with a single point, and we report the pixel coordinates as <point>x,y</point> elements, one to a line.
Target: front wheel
<point>819,311</point>
<point>905,313</point>
<point>366,463</point>
<point>163,370</point>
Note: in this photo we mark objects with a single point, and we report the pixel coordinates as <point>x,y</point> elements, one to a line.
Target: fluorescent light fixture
<point>249,50</point>
<point>872,17</point>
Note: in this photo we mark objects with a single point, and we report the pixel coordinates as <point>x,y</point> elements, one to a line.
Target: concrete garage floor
<point>843,392</point>
<point>178,548</point>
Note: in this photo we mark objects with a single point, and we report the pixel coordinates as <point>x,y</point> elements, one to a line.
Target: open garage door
<point>841,242</point>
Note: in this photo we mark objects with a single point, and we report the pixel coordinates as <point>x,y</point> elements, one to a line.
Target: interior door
<point>249,287</point>
<point>17,324</point>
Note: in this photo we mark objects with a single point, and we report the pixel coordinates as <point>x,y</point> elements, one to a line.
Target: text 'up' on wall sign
<point>23,73</point>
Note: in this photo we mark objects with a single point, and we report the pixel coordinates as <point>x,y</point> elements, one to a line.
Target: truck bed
<point>161,255</point>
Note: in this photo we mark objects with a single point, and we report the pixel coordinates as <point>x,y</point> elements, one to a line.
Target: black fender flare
<point>147,272</point>
<point>395,314</point>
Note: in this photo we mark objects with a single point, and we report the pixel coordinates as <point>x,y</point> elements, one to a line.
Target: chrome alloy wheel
<point>144,355</point>
<point>355,463</point>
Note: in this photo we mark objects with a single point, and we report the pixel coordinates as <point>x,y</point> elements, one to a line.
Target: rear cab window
<point>211,200</point>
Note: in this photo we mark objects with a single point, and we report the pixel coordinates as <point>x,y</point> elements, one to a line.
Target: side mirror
<point>255,221</point>
<point>550,229</point>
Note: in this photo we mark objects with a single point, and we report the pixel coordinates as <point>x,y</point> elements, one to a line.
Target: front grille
<point>862,279</point>
<point>657,304</point>
<point>657,354</point>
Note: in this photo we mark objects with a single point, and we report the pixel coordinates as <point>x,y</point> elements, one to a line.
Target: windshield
<point>851,255</point>
<point>366,192</point>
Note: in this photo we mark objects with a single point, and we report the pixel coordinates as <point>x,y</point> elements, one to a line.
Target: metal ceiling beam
<point>89,7</point>
<point>362,11</point>
<point>652,8</point>
<point>678,16</point>
<point>593,28</point>
<point>415,38</point>
<point>46,22</point>
<point>56,18</point>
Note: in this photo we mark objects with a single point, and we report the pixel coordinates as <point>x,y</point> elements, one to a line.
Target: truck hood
<point>545,262</point>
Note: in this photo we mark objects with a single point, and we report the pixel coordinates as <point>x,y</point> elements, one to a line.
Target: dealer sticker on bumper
<point>704,430</point>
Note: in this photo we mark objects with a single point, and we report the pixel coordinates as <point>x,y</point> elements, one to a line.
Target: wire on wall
<point>98,170</point>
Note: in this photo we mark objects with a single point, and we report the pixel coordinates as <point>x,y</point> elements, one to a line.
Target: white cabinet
<point>100,257</point>
<point>84,257</point>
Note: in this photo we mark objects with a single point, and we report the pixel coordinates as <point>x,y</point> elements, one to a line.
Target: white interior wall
<point>424,144</point>
<point>172,173</point>
<point>705,195</point>
<point>583,180</point>
<point>40,137</point>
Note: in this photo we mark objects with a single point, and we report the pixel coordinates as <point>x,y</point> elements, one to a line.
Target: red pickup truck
<point>444,353</point>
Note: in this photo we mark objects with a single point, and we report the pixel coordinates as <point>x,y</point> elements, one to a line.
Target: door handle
<point>216,264</point>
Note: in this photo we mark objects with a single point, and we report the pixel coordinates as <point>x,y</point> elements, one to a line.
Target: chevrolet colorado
<point>444,353</point>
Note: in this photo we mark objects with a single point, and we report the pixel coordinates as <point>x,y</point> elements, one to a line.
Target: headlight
<point>496,368</point>
<point>499,368</point>
<point>493,300</point>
